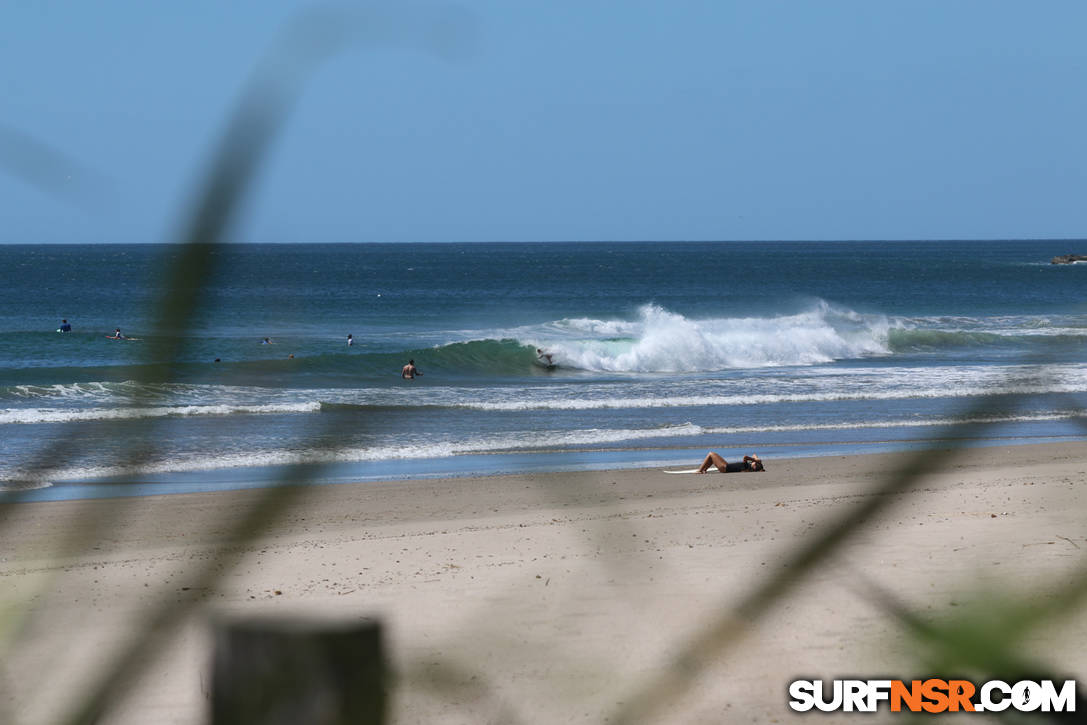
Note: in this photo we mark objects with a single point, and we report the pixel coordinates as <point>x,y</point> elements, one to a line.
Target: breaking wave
<point>660,341</point>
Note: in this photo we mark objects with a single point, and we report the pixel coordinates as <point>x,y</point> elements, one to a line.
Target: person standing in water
<point>350,340</point>
<point>409,371</point>
<point>64,326</point>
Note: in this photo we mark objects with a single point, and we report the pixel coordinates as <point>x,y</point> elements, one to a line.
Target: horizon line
<point>582,241</point>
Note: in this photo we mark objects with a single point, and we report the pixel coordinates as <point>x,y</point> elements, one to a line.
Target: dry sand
<point>554,596</point>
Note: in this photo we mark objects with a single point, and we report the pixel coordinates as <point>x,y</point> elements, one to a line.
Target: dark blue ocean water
<point>660,351</point>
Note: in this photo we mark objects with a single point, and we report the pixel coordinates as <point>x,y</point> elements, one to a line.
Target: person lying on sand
<point>750,463</point>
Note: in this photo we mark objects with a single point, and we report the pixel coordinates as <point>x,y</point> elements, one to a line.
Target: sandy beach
<point>554,597</point>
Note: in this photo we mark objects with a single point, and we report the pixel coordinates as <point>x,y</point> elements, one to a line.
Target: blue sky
<point>566,121</point>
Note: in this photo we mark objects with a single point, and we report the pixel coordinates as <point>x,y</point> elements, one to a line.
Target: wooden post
<point>287,673</point>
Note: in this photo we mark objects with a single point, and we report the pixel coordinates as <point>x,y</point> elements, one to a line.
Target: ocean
<point>660,350</point>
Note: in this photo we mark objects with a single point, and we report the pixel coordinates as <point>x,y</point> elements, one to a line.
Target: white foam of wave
<point>769,386</point>
<point>1010,326</point>
<point>50,415</point>
<point>27,485</point>
<point>812,384</point>
<point>92,392</point>
<point>661,341</point>
<point>69,391</point>
<point>518,441</point>
<point>767,398</point>
<point>910,423</point>
<point>582,326</point>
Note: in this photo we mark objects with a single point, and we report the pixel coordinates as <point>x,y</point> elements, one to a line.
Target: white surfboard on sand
<point>688,470</point>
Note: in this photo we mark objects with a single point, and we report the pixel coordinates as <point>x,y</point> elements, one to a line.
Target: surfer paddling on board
<point>750,463</point>
<point>409,371</point>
